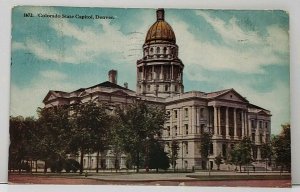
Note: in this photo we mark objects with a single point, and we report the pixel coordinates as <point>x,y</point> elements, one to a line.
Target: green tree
<point>21,141</point>
<point>241,153</point>
<point>266,152</point>
<point>90,125</point>
<point>205,146</point>
<point>218,161</point>
<point>282,148</point>
<point>158,158</point>
<point>135,124</point>
<point>174,153</point>
<point>53,134</point>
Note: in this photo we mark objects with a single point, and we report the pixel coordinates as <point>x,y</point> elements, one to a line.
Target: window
<point>151,50</point>
<point>175,114</point>
<point>157,87</point>
<point>175,129</point>
<point>266,125</point>
<point>186,129</point>
<point>260,124</point>
<point>211,149</point>
<point>202,112</point>
<point>166,87</point>
<point>253,136</point>
<point>202,129</point>
<point>168,131</point>
<point>186,148</point>
<point>253,123</point>
<point>157,50</point>
<point>186,112</point>
<point>168,113</point>
<point>260,138</point>
<point>165,50</point>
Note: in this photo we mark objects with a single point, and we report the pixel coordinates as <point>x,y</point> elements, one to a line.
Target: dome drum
<point>160,71</point>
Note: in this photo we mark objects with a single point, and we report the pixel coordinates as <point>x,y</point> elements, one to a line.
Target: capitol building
<point>228,115</point>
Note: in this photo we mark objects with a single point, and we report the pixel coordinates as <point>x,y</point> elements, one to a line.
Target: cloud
<point>25,101</point>
<point>243,51</point>
<point>90,44</point>
<point>53,75</point>
<point>276,100</point>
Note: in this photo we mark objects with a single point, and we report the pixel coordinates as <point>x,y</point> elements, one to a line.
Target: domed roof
<point>160,30</point>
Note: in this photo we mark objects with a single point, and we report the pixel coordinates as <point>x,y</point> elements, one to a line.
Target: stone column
<point>258,153</point>
<point>249,127</point>
<point>143,73</point>
<point>153,73</point>
<point>172,69</point>
<point>227,124</point>
<point>235,124</point>
<point>219,121</point>
<point>257,132</point>
<point>215,122</point>
<point>243,123</point>
<point>178,121</point>
<point>193,120</point>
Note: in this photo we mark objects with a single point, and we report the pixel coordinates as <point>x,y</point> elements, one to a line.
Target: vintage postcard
<point>150,97</point>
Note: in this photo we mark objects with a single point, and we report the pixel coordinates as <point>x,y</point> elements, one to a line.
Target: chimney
<point>160,14</point>
<point>112,76</point>
<point>126,85</point>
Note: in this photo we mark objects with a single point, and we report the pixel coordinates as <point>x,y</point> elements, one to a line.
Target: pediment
<point>50,96</point>
<point>119,92</point>
<point>263,113</point>
<point>232,95</point>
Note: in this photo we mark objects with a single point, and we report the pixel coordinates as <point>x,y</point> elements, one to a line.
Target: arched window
<point>165,50</point>
<point>157,50</point>
<point>151,50</point>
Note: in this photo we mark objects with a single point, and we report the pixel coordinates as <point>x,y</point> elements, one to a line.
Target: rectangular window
<point>253,136</point>
<point>202,112</point>
<point>260,124</point>
<point>202,128</point>
<point>186,112</point>
<point>175,130</point>
<point>166,87</point>
<point>175,114</point>
<point>186,148</point>
<point>266,125</point>
<point>168,131</point>
<point>253,123</point>
<point>260,138</point>
<point>186,129</point>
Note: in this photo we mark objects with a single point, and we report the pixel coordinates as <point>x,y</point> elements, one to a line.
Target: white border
<point>292,6</point>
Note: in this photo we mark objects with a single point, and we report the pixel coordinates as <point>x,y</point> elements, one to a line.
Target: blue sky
<point>244,50</point>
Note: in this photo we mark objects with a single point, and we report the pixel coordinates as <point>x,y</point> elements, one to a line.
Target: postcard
<point>134,96</point>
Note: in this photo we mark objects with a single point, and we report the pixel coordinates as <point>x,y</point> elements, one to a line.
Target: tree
<point>241,153</point>
<point>90,125</point>
<point>53,134</point>
<point>205,146</point>
<point>218,161</point>
<point>21,141</point>
<point>282,148</point>
<point>136,123</point>
<point>174,153</point>
<point>266,152</point>
<point>158,159</point>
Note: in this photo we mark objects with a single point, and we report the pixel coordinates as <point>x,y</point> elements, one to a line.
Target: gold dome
<point>160,30</point>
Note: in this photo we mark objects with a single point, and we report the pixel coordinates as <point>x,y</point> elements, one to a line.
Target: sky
<point>244,50</point>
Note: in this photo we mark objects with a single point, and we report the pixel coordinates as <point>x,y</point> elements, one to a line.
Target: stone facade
<point>226,114</point>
